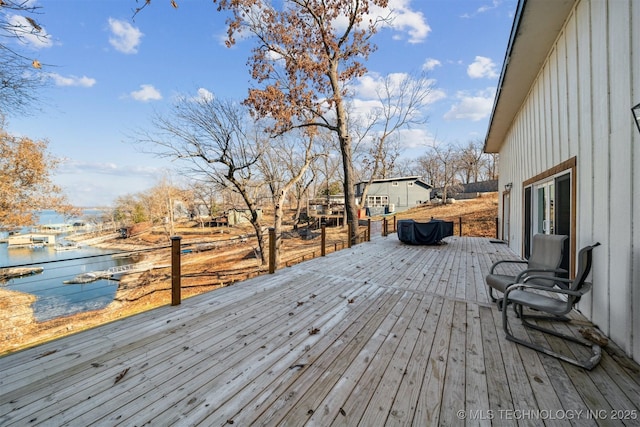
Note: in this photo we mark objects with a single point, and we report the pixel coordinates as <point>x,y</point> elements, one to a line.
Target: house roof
<point>416,178</point>
<point>536,26</point>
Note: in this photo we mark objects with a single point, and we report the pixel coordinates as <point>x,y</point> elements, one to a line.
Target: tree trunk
<point>349,190</point>
<point>260,236</point>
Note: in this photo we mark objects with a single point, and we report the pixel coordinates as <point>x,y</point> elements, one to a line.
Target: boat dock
<point>30,240</point>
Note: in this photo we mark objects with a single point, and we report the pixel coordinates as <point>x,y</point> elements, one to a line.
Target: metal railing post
<point>368,229</point>
<point>272,250</point>
<point>175,270</point>
<point>460,225</point>
<point>349,227</point>
<point>323,239</point>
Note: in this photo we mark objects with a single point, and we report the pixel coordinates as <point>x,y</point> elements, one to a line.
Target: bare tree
<point>429,167</point>
<point>19,75</point>
<point>329,165</point>
<point>472,162</point>
<point>441,165</point>
<point>163,201</point>
<point>400,97</point>
<point>306,54</point>
<point>203,200</point>
<point>492,165</point>
<point>409,167</point>
<point>283,164</point>
<point>301,191</point>
<point>217,139</point>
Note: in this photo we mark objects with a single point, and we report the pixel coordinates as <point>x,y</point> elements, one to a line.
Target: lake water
<point>54,298</point>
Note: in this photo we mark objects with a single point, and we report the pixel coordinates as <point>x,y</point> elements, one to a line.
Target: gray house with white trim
<point>395,194</point>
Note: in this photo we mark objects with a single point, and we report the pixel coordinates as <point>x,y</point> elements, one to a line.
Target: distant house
<point>569,148</point>
<point>394,194</point>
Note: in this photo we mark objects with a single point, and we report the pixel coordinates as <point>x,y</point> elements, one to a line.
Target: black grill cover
<point>424,233</point>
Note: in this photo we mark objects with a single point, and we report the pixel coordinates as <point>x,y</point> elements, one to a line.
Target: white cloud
<point>482,9</point>
<point>402,19</point>
<point>371,90</point>
<point>146,93</point>
<point>125,37</point>
<point>482,67</point>
<point>83,81</point>
<point>472,107</point>
<point>485,8</point>
<point>430,64</point>
<point>411,21</point>
<point>368,85</point>
<point>203,95</point>
<point>75,167</point>
<point>28,35</point>
<point>371,86</point>
<point>415,138</point>
<point>361,109</point>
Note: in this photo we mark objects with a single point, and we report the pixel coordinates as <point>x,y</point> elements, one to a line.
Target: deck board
<point>379,334</point>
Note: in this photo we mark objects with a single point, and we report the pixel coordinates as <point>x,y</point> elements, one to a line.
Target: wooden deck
<point>379,334</point>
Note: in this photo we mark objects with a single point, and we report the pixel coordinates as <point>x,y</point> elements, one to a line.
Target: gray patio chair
<point>554,303</point>
<point>545,259</point>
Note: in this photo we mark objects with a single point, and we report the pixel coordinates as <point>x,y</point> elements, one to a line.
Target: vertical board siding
<point>586,197</point>
<point>563,107</point>
<point>600,167</point>
<point>579,106</point>
<point>620,181</point>
<point>572,77</point>
<point>635,229</point>
<point>554,111</point>
<point>600,135</point>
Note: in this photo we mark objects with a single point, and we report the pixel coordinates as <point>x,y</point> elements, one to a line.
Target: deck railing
<point>157,284</point>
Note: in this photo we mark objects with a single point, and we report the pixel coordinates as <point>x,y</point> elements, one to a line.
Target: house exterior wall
<point>579,108</point>
<point>404,195</point>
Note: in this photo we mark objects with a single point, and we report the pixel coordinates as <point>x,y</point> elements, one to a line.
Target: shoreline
<point>137,291</point>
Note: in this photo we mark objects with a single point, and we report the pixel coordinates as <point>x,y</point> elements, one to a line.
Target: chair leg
<point>588,364</point>
<point>494,299</point>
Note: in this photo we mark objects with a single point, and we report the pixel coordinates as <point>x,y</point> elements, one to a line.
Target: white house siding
<point>579,106</point>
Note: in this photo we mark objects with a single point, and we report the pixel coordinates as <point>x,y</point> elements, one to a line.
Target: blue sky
<point>109,73</point>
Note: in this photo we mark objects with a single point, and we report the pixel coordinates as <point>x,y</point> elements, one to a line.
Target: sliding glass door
<point>547,210</point>
<point>544,208</point>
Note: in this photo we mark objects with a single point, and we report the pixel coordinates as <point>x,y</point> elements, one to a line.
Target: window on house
<point>377,201</point>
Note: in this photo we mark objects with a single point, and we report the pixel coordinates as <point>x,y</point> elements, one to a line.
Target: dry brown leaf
<point>121,375</point>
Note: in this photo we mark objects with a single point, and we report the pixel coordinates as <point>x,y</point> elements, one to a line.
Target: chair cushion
<point>539,302</point>
<point>499,282</point>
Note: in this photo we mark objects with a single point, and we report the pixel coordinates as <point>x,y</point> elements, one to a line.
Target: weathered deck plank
<point>379,334</point>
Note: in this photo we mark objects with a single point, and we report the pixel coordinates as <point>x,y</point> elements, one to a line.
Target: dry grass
<point>204,271</point>
<point>478,215</point>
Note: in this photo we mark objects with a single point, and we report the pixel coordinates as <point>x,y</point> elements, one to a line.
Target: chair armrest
<point>586,286</point>
<point>515,261</point>
<point>520,276</point>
